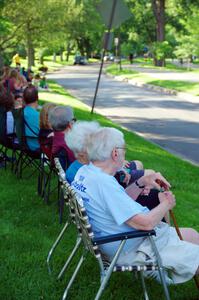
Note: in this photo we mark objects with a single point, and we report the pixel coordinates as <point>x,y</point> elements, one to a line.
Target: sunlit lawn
<point>28,227</point>
<point>178,85</point>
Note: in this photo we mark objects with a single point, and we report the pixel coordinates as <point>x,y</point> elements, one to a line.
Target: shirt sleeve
<point>118,203</point>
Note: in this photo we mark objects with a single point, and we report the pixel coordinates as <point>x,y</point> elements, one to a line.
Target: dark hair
<point>30,94</point>
<point>6,98</point>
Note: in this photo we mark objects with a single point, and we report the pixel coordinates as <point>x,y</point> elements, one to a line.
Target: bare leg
<point>190,235</point>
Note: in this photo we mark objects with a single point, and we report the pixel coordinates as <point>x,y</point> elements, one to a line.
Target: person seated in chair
<point>77,139</point>
<point>7,104</point>
<point>112,210</point>
<point>31,117</point>
<point>61,119</point>
<point>46,131</point>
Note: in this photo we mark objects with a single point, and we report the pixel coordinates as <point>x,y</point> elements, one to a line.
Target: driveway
<point>169,121</point>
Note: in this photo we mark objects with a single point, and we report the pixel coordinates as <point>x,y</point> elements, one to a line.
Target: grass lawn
<point>28,227</point>
<point>52,66</point>
<point>178,85</point>
<point>48,62</point>
<point>148,63</point>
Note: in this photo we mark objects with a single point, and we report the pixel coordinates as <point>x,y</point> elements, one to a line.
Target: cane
<point>180,237</point>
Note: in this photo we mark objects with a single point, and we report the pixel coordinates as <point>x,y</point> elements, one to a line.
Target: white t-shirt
<point>107,205</point>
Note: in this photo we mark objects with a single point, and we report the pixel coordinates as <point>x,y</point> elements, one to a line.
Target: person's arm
<point>149,220</point>
<point>150,181</point>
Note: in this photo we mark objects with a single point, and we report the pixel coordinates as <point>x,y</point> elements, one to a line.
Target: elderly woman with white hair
<point>76,139</point>
<point>111,210</point>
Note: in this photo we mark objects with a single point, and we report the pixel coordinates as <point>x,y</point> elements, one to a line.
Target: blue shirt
<point>72,170</point>
<point>107,205</point>
<point>31,117</point>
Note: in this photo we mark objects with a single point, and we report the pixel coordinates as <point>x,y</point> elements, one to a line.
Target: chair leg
<point>109,271</point>
<point>73,277</point>
<point>61,206</point>
<point>55,245</point>
<point>160,269</point>
<point>78,242</point>
<point>47,188</point>
<point>146,297</point>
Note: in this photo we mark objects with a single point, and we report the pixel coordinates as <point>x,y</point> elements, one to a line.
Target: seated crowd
<point>118,195</point>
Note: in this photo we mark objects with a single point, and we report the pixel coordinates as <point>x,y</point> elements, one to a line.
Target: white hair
<point>77,137</point>
<point>101,143</point>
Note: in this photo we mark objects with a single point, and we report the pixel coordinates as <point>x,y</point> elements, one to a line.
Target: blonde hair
<point>44,122</point>
<point>14,74</point>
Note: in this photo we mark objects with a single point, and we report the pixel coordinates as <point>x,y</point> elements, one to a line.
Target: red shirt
<point>59,144</point>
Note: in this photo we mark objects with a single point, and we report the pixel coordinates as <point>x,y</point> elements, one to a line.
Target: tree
<point>30,19</point>
<point>158,7</point>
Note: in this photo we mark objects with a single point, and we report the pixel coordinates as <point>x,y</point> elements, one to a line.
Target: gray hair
<point>78,136</point>
<point>101,143</point>
<point>60,117</point>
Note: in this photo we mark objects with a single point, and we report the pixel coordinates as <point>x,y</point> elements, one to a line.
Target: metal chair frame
<point>107,267</point>
<point>64,199</point>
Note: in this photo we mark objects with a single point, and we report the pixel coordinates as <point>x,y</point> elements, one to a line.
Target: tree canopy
<point>161,27</point>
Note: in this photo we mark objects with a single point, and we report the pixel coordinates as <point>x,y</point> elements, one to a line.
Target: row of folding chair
<point>25,162</point>
<point>86,238</point>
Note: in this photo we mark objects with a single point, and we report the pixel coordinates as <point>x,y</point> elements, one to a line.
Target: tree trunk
<point>30,49</point>
<point>159,13</point>
<point>31,56</point>
<point>80,44</point>
<point>61,56</point>
<point>54,57</point>
<point>41,60</point>
<point>68,52</point>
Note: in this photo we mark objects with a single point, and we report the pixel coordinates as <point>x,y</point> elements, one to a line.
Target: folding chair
<point>108,267</point>
<point>7,141</point>
<point>3,136</point>
<point>26,157</point>
<point>64,196</point>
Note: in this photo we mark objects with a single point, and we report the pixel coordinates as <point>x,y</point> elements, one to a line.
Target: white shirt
<point>107,205</point>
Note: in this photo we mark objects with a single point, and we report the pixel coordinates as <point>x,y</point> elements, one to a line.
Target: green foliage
<point>76,25</point>
<point>161,50</point>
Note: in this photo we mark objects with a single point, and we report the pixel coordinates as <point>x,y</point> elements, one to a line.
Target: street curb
<point>151,87</point>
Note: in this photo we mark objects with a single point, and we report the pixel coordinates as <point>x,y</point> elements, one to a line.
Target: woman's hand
<point>126,164</point>
<point>155,180</point>
<point>169,198</point>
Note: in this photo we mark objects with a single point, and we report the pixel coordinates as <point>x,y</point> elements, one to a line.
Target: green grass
<point>52,66</point>
<point>148,63</point>
<point>28,227</point>
<point>178,85</point>
<point>181,86</point>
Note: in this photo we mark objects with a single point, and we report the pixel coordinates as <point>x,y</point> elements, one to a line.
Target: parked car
<point>109,57</point>
<point>80,60</point>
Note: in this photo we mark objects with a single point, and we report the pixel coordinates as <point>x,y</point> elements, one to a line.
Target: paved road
<point>169,121</point>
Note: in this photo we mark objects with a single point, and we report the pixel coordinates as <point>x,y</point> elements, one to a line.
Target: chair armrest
<point>122,236</point>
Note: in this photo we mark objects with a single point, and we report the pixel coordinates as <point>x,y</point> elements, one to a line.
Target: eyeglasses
<point>123,148</point>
